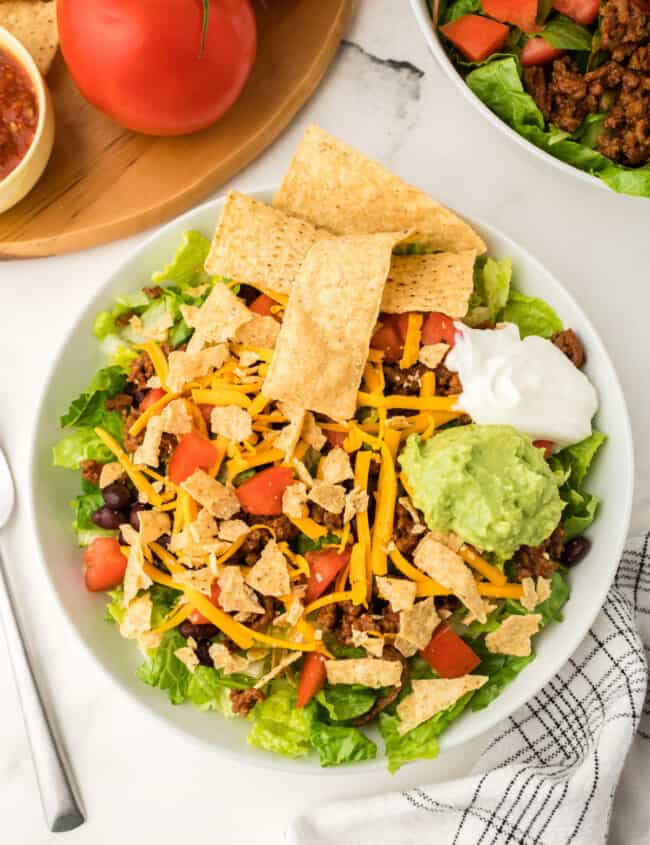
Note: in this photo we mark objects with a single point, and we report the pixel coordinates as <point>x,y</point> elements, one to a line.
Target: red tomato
<point>206,412</point>
<point>582,11</point>
<point>325,566</point>
<point>437,328</point>
<point>194,451</point>
<point>151,398</point>
<point>536,51</point>
<point>546,445</point>
<point>476,37</point>
<point>312,677</point>
<point>142,64</point>
<point>105,564</point>
<point>448,654</point>
<point>336,438</point>
<point>262,494</point>
<point>390,336</point>
<point>262,304</point>
<point>196,617</point>
<point>521,13</point>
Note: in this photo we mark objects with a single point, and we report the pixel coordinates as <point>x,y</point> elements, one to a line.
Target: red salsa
<point>18,113</point>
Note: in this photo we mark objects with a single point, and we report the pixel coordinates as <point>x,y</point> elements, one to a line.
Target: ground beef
<point>568,342</point>
<point>623,25</point>
<point>119,403</point>
<point>327,618</point>
<point>90,471</point>
<point>243,701</point>
<point>381,619</point>
<point>168,443</point>
<point>405,536</point>
<point>123,319</point>
<point>560,91</point>
<point>447,383</point>
<point>153,292</point>
<point>542,560</point>
<point>141,370</point>
<point>386,700</point>
<point>403,382</point>
<point>131,442</point>
<point>449,603</point>
<point>331,521</point>
<point>285,531</point>
<point>261,622</point>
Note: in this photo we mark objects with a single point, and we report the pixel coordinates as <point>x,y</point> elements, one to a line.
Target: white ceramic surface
<point>76,363</point>
<point>21,180</point>
<point>423,17</point>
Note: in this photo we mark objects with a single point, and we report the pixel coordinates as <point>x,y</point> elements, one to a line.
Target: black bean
<point>138,396</point>
<point>117,496</point>
<point>575,550</point>
<point>106,517</point>
<point>134,519</point>
<point>164,540</point>
<point>203,653</point>
<point>201,633</point>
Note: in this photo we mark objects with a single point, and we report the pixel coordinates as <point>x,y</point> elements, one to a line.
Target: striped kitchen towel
<point>550,774</point>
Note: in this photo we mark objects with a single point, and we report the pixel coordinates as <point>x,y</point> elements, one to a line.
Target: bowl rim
<point>17,49</point>
<point>573,637</point>
<point>420,10</point>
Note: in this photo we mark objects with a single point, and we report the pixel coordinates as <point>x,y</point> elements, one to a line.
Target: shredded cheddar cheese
<point>487,570</point>
<point>141,423</point>
<point>158,360</point>
<point>412,341</point>
<point>137,478</point>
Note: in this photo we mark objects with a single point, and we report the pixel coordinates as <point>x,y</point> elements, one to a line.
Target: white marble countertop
<point>384,94</point>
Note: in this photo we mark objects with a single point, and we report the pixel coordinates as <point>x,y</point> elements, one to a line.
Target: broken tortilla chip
<point>432,354</point>
<point>431,696</point>
<point>440,282</point>
<point>513,635</point>
<point>235,595</point>
<point>335,466</point>
<point>331,497</point>
<point>416,625</point>
<point>398,592</point>
<point>270,575</point>
<point>334,186</point>
<point>323,344</point>
<point>33,23</point>
<point>364,670</point>
<point>217,320</point>
<point>219,499</point>
<point>373,645</point>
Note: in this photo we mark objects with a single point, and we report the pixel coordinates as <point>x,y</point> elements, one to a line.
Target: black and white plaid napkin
<point>549,775</point>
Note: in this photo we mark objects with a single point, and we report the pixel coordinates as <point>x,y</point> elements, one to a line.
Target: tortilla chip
<point>331,497</point>
<point>335,466</point>
<point>373,645</point>
<point>431,696</point>
<point>294,500</point>
<point>187,655</point>
<point>184,367</point>
<point>469,616</point>
<point>33,23</point>
<point>257,244</point>
<point>198,579</point>
<point>261,331</point>
<point>291,616</point>
<point>129,534</point>
<point>152,525</point>
<point>399,592</point>
<point>225,660</point>
<point>288,438</point>
<point>220,499</point>
<point>356,501</point>
<point>451,540</point>
<point>235,595</point>
<point>204,527</point>
<point>270,575</point>
<point>175,417</point>
<point>513,635</point>
<point>432,355</point>
<point>325,336</point>
<point>137,619</point>
<point>418,623</point>
<point>302,472</point>
<point>217,320</point>
<point>111,473</point>
<point>543,588</point>
<point>232,529</point>
<point>535,594</point>
<point>334,186</point>
<point>158,330</point>
<point>312,433</point>
<point>446,567</point>
<point>135,578</point>
<point>287,660</point>
<point>232,422</point>
<point>366,671</point>
<point>147,452</point>
<point>443,282</point>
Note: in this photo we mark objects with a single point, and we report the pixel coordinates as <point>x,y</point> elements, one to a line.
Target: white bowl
<point>430,32</point>
<point>51,489</point>
<point>23,178</point>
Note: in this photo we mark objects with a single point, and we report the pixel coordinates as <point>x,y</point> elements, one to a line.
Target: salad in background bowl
<point>570,78</point>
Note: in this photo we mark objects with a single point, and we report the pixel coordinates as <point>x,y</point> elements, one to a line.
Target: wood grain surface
<point>104,182</point>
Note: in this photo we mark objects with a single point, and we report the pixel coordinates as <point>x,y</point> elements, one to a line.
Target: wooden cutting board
<point>104,182</point>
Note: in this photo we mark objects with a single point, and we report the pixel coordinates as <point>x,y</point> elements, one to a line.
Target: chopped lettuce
<point>491,289</point>
<point>206,690</point>
<point>337,745</point>
<point>165,671</point>
<point>565,34</point>
<point>279,726</point>
<point>115,609</point>
<point>532,315</point>
<point>502,669</point>
<point>81,445</point>
<point>186,267</point>
<point>304,544</point>
<point>83,507</point>
<point>575,461</point>
<point>88,409</point>
<point>346,701</point>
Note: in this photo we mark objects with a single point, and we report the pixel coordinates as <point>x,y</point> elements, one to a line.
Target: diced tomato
<point>582,11</point>
<point>521,13</point>
<point>196,617</point>
<point>262,494</point>
<point>336,438</point>
<point>476,37</point>
<point>546,445</point>
<point>151,398</point>
<point>536,51</point>
<point>325,565</point>
<point>438,328</point>
<point>262,305</point>
<point>448,654</point>
<point>312,677</point>
<point>390,336</point>
<point>105,564</point>
<point>194,451</point>
<point>206,412</point>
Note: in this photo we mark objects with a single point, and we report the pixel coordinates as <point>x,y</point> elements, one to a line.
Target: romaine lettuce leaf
<point>337,745</point>
<point>165,671</point>
<point>579,457</point>
<point>83,507</point>
<point>532,315</point>
<point>81,445</point>
<point>575,461</point>
<point>186,267</point>
<point>346,701</point>
<point>279,726</point>
<point>115,609</point>
<point>565,34</point>
<point>491,289</point>
<point>502,670</point>
<point>209,689</point>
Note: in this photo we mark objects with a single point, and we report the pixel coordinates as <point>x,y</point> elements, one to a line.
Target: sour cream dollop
<point>528,384</point>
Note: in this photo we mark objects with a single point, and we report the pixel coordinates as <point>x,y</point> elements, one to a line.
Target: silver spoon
<point>60,805</point>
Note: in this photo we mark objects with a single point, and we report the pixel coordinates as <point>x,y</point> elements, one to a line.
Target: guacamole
<point>487,483</point>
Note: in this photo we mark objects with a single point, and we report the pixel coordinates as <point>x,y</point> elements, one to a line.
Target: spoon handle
<point>60,805</point>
